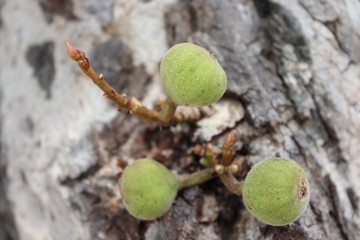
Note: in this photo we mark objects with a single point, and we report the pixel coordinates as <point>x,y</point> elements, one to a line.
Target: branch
<point>132,105</point>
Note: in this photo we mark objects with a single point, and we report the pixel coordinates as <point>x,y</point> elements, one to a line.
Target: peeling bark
<point>293,91</point>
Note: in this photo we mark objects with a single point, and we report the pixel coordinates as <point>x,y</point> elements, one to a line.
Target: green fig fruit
<point>276,191</point>
<point>148,189</point>
<point>191,76</point>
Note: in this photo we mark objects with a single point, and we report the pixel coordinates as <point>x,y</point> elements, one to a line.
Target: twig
<point>132,105</point>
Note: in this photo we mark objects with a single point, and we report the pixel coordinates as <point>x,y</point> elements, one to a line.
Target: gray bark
<point>293,91</point>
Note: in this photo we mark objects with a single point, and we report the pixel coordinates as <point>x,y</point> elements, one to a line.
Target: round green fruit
<point>191,76</point>
<point>276,191</point>
<point>148,189</point>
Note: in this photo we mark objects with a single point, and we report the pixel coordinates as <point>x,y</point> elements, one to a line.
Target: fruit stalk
<point>193,179</point>
<point>232,183</point>
<point>167,111</point>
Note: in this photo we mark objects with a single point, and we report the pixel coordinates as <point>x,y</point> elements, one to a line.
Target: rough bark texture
<point>293,90</point>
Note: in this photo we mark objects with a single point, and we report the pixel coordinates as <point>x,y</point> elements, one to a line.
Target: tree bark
<point>293,72</point>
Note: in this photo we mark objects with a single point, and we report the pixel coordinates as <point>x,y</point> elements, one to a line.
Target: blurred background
<point>293,91</point>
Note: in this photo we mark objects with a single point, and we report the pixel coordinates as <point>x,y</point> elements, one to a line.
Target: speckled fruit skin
<point>148,189</point>
<point>276,191</point>
<point>191,76</point>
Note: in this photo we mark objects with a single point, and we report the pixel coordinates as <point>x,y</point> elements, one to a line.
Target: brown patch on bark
<point>60,7</point>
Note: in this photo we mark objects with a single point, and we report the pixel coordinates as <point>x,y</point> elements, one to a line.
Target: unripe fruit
<point>148,189</point>
<point>276,191</point>
<point>191,76</point>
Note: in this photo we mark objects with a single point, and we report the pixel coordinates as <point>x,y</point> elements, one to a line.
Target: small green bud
<point>148,189</point>
<point>276,191</point>
<point>191,76</point>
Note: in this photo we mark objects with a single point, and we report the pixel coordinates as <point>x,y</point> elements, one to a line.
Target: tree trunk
<point>293,72</point>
